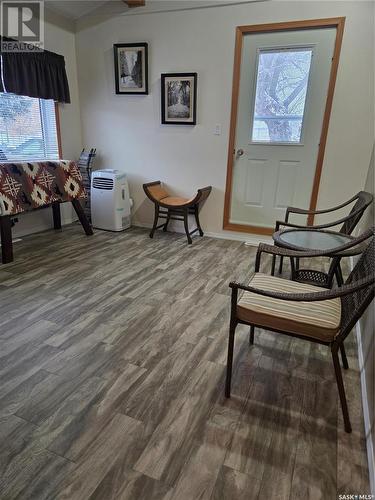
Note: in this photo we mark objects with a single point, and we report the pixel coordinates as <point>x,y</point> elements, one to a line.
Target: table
<point>312,239</point>
<point>29,186</point>
<point>303,239</point>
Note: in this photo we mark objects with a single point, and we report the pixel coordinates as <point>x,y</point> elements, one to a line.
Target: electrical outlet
<point>217,129</point>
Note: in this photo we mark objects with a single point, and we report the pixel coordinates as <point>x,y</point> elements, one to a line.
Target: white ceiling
<point>82,13</point>
<point>75,9</point>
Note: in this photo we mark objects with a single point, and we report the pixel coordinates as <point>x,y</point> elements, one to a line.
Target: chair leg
<point>293,267</point>
<point>232,329</point>
<point>196,213</point>
<point>341,388</point>
<point>339,276</point>
<point>344,359</point>
<point>186,225</point>
<point>56,213</point>
<point>167,222</point>
<point>6,239</point>
<point>156,218</point>
<point>251,336</point>
<point>273,265</point>
<point>82,217</point>
<point>293,274</point>
<point>281,264</point>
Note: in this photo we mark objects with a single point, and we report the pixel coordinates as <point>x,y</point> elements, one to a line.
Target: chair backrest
<point>354,305</point>
<point>85,164</point>
<point>364,199</point>
<point>86,158</point>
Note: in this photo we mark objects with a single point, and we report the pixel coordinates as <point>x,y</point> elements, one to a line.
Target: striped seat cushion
<point>319,320</point>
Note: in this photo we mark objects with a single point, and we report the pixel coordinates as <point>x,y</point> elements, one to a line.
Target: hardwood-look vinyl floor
<point>112,365</point>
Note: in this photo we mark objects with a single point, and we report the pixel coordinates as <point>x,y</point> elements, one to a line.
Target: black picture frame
<point>170,116</point>
<point>120,83</point>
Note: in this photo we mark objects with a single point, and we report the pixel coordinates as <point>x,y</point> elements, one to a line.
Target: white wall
<point>367,345</point>
<point>127,131</point>
<point>63,42</point>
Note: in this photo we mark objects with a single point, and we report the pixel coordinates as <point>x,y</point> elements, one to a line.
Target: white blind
<point>27,129</point>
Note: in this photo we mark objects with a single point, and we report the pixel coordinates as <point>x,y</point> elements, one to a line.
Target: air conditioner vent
<point>102,183</point>
<point>110,202</point>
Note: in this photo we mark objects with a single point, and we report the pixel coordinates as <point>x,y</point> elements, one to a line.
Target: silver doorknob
<point>240,152</point>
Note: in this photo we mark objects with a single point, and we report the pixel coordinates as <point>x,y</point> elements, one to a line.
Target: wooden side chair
<point>306,311</point>
<point>348,223</point>
<point>85,164</point>
<point>175,208</point>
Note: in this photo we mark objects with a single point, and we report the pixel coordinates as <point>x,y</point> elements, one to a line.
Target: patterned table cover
<point>27,186</point>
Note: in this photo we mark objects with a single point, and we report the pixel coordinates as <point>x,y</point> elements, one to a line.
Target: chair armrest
<point>200,197</point>
<point>286,252</point>
<point>204,193</point>
<point>307,297</point>
<point>348,217</point>
<point>303,211</point>
<point>296,210</point>
<point>299,226</point>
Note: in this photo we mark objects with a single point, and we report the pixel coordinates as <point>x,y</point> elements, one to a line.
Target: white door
<point>283,89</point>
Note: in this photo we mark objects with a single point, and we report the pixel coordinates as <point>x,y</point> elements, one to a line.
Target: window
<point>27,129</point>
<point>280,97</point>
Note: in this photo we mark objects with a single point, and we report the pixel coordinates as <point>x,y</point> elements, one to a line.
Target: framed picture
<point>179,98</point>
<point>131,68</point>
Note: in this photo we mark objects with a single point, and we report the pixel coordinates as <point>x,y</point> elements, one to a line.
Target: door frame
<point>335,22</point>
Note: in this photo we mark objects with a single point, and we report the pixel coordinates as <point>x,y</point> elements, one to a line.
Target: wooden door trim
<point>336,22</point>
<point>58,130</point>
<point>326,117</point>
<point>244,228</point>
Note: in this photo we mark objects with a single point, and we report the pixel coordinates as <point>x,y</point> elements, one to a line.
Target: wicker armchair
<point>305,311</point>
<point>361,201</point>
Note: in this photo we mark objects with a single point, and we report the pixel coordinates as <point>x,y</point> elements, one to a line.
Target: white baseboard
<point>38,228</point>
<point>14,240</point>
<point>35,228</point>
<point>366,411</point>
<point>141,224</point>
<point>252,240</point>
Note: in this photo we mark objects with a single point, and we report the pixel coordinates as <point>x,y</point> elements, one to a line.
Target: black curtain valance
<point>35,74</point>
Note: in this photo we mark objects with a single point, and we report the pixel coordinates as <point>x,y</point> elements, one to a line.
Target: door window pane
<point>280,96</point>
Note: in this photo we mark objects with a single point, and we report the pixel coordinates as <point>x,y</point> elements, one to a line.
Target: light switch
<point>217,129</point>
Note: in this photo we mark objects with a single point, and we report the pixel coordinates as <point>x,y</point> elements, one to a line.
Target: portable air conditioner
<point>110,201</point>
